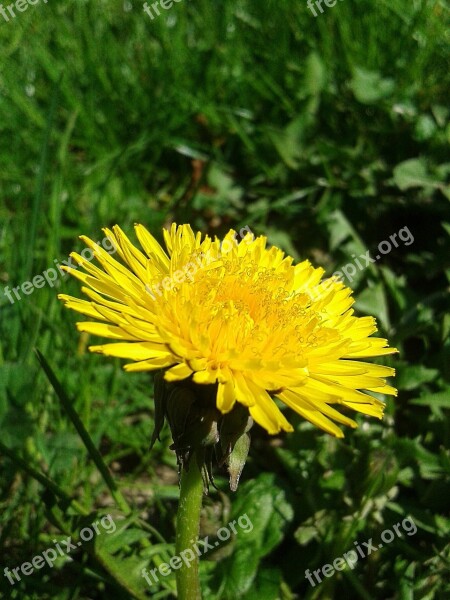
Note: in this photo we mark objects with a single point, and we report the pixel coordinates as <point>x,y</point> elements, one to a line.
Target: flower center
<point>245,311</point>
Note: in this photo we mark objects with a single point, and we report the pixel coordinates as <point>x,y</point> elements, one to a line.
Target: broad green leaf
<point>340,229</point>
<point>372,301</point>
<point>425,128</point>
<point>410,377</point>
<point>413,173</point>
<point>266,585</point>
<point>263,510</point>
<point>121,553</point>
<point>370,87</point>
<point>288,141</point>
<point>125,571</point>
<point>315,75</point>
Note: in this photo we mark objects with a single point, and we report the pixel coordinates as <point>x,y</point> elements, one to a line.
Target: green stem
<point>188,527</point>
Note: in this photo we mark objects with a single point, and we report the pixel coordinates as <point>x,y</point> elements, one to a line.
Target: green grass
<point>326,134</point>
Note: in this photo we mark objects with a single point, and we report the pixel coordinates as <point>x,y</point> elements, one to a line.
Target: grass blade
<point>84,435</point>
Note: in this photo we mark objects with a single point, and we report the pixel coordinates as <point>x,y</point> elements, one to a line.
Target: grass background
<point>326,134</point>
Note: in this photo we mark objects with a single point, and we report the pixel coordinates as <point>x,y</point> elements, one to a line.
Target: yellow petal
<point>81,306</point>
<point>266,413</point>
<point>153,364</point>
<point>104,330</point>
<point>226,396</point>
<point>177,373</point>
<point>134,351</point>
<point>152,247</point>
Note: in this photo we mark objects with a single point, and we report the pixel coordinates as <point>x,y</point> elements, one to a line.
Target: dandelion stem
<point>188,527</point>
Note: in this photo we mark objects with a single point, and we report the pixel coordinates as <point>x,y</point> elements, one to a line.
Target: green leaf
<point>123,555</point>
<point>126,537</point>
<point>370,87</point>
<point>340,229</point>
<point>306,533</point>
<point>410,377</point>
<point>262,506</point>
<point>266,585</point>
<point>438,400</point>
<point>373,301</point>
<point>430,465</point>
<point>315,74</point>
<point>125,571</point>
<point>413,173</point>
<point>425,128</point>
<point>335,481</point>
<point>288,141</point>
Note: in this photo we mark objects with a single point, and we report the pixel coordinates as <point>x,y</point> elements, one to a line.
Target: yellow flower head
<point>237,314</point>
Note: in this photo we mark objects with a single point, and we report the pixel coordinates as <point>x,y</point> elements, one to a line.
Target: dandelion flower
<point>239,315</point>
